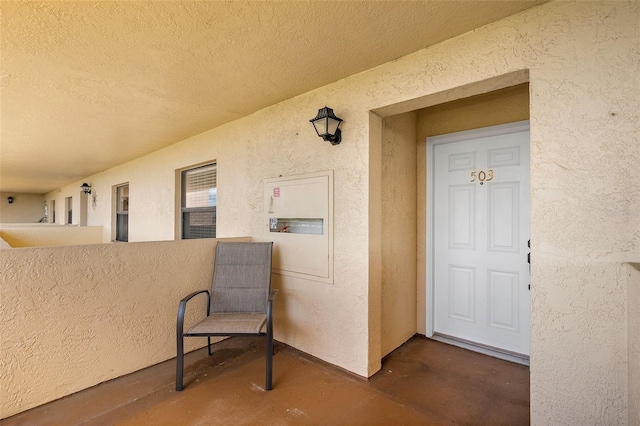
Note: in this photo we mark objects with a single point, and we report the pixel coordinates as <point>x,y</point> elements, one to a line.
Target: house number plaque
<point>482,176</point>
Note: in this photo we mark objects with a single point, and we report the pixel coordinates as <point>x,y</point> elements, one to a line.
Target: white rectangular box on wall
<point>299,221</point>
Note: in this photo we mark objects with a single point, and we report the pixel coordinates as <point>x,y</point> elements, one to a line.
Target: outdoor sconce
<point>10,200</point>
<point>86,188</point>
<point>327,125</point>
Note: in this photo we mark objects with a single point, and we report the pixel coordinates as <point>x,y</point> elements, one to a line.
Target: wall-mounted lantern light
<point>327,125</point>
<point>10,200</point>
<point>86,188</point>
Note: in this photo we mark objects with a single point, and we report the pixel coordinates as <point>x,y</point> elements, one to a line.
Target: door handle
<point>529,254</point>
<point>529,260</point>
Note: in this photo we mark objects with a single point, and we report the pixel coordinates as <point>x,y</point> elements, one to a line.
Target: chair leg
<point>209,345</point>
<point>269,357</point>
<point>180,363</point>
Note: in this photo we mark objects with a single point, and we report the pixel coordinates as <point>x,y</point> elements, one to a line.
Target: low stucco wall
<point>43,235</point>
<point>4,244</point>
<point>73,317</point>
<point>633,327</point>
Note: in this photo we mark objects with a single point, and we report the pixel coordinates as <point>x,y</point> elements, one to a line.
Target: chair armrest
<point>273,294</point>
<point>182,306</point>
<point>195,293</point>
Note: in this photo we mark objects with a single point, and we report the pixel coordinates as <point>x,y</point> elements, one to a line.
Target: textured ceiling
<point>85,86</point>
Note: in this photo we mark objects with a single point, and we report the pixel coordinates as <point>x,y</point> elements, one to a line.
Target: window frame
<point>68,207</point>
<point>186,212</point>
<point>124,214</point>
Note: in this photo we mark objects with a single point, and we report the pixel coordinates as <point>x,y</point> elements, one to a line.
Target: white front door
<point>481,232</point>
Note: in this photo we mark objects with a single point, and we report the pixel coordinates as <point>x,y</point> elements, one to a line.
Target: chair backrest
<point>241,277</point>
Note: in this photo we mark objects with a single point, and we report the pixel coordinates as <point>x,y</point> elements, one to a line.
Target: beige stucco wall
<point>4,244</point>
<point>43,235</point>
<point>582,62</point>
<point>374,290</point>
<point>578,335</point>
<point>26,208</point>
<point>398,230</point>
<point>80,205</point>
<point>73,317</point>
<point>633,330</point>
<point>497,107</point>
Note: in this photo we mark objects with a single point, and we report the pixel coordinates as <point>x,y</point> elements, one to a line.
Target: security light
<point>327,125</point>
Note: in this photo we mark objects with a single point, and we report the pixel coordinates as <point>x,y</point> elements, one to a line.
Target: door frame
<point>501,129</point>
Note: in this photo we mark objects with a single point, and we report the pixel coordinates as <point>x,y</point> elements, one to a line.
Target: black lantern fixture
<point>327,125</point>
<point>86,188</point>
<point>10,200</point>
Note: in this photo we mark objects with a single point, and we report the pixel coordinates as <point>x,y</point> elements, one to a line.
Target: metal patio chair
<point>240,302</point>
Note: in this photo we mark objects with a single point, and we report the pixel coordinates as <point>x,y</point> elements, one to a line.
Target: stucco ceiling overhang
<point>88,85</point>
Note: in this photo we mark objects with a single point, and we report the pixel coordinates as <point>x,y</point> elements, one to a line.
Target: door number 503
<point>482,176</point>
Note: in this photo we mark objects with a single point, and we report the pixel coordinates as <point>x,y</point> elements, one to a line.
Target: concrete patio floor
<point>422,382</point>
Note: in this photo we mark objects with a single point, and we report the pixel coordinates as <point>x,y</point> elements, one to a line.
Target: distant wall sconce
<point>327,125</point>
<point>10,200</point>
<point>86,188</point>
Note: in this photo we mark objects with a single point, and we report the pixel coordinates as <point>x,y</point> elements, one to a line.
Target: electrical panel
<point>299,221</point>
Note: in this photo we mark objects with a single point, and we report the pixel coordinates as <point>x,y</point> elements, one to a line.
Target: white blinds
<point>200,187</point>
<point>122,196</point>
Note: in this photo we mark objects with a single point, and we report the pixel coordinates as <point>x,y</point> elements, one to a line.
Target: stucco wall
<point>326,320</point>
<point>498,107</point>
<point>26,208</point>
<point>4,244</point>
<point>582,62</point>
<point>73,317</point>
<point>633,330</point>
<point>374,290</point>
<point>79,205</point>
<point>43,235</point>
<point>398,230</point>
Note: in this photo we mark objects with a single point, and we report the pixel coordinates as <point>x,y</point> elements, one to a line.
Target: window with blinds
<point>122,213</point>
<point>199,199</point>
